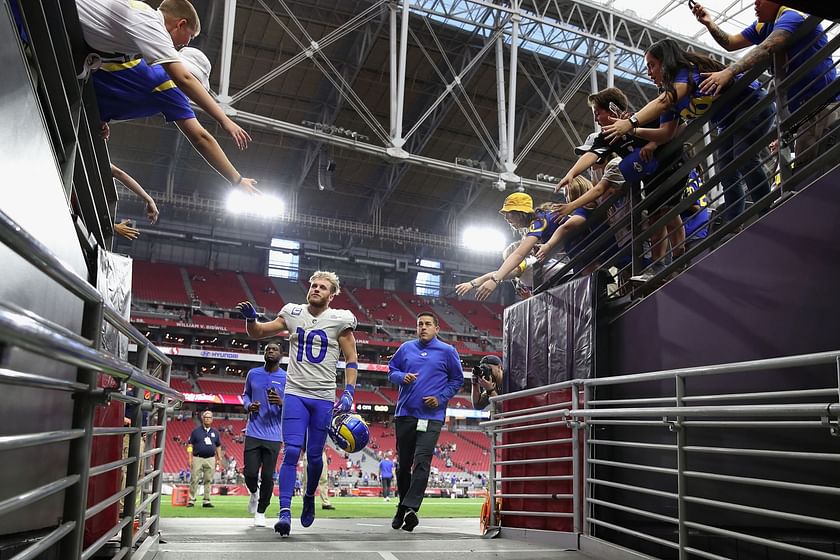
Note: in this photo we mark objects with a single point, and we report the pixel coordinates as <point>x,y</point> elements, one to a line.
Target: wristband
<point>496,280</point>
<point>350,389</point>
<point>350,365</point>
<point>254,320</point>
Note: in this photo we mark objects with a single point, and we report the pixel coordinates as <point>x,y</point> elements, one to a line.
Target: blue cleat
<point>284,524</point>
<point>307,515</point>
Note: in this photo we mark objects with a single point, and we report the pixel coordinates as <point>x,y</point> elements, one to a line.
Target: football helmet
<point>349,432</point>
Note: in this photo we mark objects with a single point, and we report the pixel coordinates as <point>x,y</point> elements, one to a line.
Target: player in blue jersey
<point>317,334</point>
<point>429,373</point>
<point>263,400</point>
<point>135,90</point>
<point>773,27</point>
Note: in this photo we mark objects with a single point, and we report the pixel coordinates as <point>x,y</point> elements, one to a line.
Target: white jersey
<point>313,349</point>
<point>126,27</point>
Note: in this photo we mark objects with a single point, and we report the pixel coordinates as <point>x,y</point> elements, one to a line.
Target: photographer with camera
<point>486,381</point>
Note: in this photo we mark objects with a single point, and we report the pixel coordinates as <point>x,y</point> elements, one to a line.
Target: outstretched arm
<point>559,234</point>
<point>583,163</point>
<point>151,208</point>
<point>193,89</point>
<point>715,82</point>
<point>256,329</point>
<point>508,266</point>
<point>652,111</point>
<point>206,145</point>
<point>721,37</point>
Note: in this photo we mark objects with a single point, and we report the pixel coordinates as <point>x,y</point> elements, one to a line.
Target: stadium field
<point>350,507</point>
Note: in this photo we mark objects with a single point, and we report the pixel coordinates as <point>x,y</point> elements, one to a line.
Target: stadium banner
<point>213,398</point>
<point>241,357</point>
<point>367,407</point>
<point>467,413</point>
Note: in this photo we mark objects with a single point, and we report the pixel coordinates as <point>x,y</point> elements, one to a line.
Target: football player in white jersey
<point>316,335</point>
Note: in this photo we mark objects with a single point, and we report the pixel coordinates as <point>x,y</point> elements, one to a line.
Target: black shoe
<point>410,521</point>
<point>397,521</point>
<point>207,504</point>
<point>190,504</point>
<point>328,506</point>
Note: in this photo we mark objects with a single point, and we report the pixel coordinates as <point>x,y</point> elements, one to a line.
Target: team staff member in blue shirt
<point>263,399</point>
<point>428,372</point>
<point>206,458</point>
<point>386,475</point>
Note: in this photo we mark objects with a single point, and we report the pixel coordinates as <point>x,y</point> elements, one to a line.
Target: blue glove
<point>345,403</point>
<point>246,308</point>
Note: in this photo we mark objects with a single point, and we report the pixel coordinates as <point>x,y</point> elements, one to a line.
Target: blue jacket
<point>439,374</point>
<point>264,424</point>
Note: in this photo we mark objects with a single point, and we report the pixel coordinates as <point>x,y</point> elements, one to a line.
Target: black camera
<point>483,371</point>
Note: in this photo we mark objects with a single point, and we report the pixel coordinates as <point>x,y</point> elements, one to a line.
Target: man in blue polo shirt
<point>386,475</point>
<point>771,31</point>
<point>206,457</point>
<point>263,399</point>
<point>428,372</point>
<point>135,90</point>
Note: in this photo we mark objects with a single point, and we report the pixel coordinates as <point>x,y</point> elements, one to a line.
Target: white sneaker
<point>252,503</point>
<point>388,499</point>
<point>259,520</point>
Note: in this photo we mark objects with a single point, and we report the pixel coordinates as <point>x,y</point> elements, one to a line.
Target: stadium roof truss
<point>553,44</point>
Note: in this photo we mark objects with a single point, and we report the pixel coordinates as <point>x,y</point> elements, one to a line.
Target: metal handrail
<point>670,459</point>
<point>24,332</point>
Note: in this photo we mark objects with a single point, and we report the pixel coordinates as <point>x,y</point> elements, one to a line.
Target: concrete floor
<point>344,539</point>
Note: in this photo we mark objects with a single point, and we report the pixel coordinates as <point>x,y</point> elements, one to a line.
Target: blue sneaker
<point>284,524</point>
<point>307,515</point>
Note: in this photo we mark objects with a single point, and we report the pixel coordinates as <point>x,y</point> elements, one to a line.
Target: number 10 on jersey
<point>304,345</point>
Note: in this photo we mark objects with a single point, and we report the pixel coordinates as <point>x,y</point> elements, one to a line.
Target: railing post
<point>637,226</point>
<point>133,473</point>
<point>575,424</point>
<point>491,478</point>
<point>584,500</point>
<point>78,461</point>
<point>681,468</point>
<point>161,442</point>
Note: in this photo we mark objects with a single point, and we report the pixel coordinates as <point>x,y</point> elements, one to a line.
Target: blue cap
<point>634,169</point>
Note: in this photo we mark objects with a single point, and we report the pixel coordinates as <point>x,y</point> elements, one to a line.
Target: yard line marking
<point>387,556</point>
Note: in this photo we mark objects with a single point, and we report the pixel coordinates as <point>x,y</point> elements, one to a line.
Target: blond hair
<point>330,277</point>
<point>578,187</point>
<point>182,9</point>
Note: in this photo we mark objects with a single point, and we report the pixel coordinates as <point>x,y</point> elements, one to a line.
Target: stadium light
<point>483,239</point>
<point>262,205</point>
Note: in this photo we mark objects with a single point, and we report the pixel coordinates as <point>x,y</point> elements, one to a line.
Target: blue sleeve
<point>582,212</point>
<point>218,438</point>
<point>395,374</point>
<point>192,438</point>
<point>456,376</point>
<point>751,34</point>
<point>789,21</point>
<point>537,228</point>
<point>283,385</point>
<point>668,116</point>
<point>174,105</point>
<point>246,393</point>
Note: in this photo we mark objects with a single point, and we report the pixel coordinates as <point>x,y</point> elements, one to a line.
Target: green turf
<point>236,506</point>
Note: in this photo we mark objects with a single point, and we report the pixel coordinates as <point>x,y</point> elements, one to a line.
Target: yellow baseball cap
<point>518,202</point>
